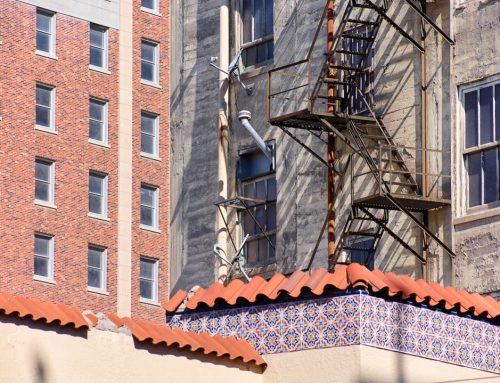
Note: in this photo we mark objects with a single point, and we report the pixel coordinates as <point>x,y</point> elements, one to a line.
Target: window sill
<point>46,280</point>
<point>97,291</point>
<point>45,204</point>
<point>98,217</point>
<point>477,216</point>
<point>150,11</point>
<point>99,143</point>
<point>45,129</point>
<point>150,229</point>
<point>99,69</point>
<point>149,302</point>
<point>46,55</point>
<point>150,157</point>
<point>151,84</point>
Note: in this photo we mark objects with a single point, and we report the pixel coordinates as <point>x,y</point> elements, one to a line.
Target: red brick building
<point>84,106</point>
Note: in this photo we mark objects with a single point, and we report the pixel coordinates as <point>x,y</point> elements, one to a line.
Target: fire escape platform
<point>304,119</point>
<point>412,203</point>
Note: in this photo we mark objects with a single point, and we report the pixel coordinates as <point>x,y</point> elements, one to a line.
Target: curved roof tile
<point>46,311</point>
<point>160,334</point>
<point>343,279</point>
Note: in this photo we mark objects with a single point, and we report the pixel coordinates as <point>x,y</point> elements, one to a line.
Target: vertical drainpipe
<point>331,150</point>
<point>223,127</point>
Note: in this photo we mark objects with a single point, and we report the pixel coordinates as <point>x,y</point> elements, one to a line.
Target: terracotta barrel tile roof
<point>45,311</point>
<point>229,347</point>
<point>344,278</point>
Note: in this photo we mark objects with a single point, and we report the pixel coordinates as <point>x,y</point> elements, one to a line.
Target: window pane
<point>42,171</point>
<point>42,245</point>
<point>249,56</point>
<point>96,184</point>
<point>249,190</point>
<point>42,116</point>
<point>43,21</point>
<point>475,179</point>
<point>95,204</point>
<point>147,269</point>
<point>247,21</point>
<point>96,130</point>
<point>486,113</point>
<point>42,266</point>
<point>252,249</point>
<point>271,189</point>
<point>271,216</point>
<point>147,196</point>
<point>148,51</point>
<point>95,257</point>
<point>497,111</point>
<point>96,57</point>
<point>491,176</point>
<point>260,187</point>
<point>269,18</point>
<point>260,216</point>
<point>147,71</point>
<point>42,42</point>
<point>94,278</point>
<point>146,288</point>
<point>471,132</point>
<point>43,96</point>
<point>96,110</point>
<point>42,191</point>
<point>258,19</point>
<point>249,223</point>
<point>97,37</point>
<point>150,4</point>
<point>146,216</point>
<point>147,144</point>
<point>148,124</point>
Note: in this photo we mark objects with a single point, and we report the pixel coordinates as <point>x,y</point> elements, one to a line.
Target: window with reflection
<point>256,31</point>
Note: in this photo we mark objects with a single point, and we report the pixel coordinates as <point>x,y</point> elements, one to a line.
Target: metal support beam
<point>382,13</point>
<point>333,129</point>
<point>432,24</point>
<point>419,224</point>
<point>392,234</point>
<point>297,140</point>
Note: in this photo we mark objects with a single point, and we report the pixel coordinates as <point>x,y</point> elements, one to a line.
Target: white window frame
<point>52,50</point>
<point>155,10</point>
<point>52,126</point>
<point>463,181</point>
<point>105,49</point>
<point>156,144</point>
<point>104,103</point>
<point>155,207</point>
<point>50,202</point>
<point>50,277</point>
<point>104,269</point>
<point>104,178</point>
<point>156,62</point>
<point>155,263</point>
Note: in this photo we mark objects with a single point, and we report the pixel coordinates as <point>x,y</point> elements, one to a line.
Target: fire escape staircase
<point>330,109</point>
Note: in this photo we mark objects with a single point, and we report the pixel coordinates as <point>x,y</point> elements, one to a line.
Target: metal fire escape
<point>329,94</point>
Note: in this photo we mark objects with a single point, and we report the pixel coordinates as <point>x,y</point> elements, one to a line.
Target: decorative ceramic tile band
<point>353,320</point>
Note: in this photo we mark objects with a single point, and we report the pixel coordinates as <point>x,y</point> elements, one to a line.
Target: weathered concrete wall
<point>476,234</point>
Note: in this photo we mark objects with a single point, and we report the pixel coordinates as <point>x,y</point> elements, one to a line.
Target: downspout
<point>223,126</point>
<point>245,116</point>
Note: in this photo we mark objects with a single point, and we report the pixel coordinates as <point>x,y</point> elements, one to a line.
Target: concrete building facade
<point>418,97</point>
<point>72,96</point>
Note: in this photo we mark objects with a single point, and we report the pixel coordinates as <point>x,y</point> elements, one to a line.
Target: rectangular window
<point>149,61</point>
<point>257,179</point>
<point>44,256</point>
<point>481,106</point>
<point>362,252</point>
<point>45,32</point>
<point>98,46</point>
<point>257,31</point>
<point>97,268</point>
<point>148,279</point>
<point>98,121</point>
<point>151,5</point>
<point>149,134</point>
<point>45,105</point>
<point>98,190</point>
<point>44,181</point>
<point>149,206</point>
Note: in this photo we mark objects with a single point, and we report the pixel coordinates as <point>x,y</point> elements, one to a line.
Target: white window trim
<point>104,68</point>
<point>52,127</point>
<point>50,278</point>
<point>52,52</point>
<point>52,170</point>
<point>153,301</point>
<point>462,189</point>
<point>155,10</point>
<point>156,154</point>
<point>104,214</point>
<point>156,207</point>
<point>104,123</point>
<point>104,268</point>
<point>156,72</point>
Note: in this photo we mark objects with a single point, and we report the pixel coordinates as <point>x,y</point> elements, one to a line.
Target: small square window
<point>45,105</point>
<point>149,61</point>
<point>45,32</point>
<point>149,134</point>
<point>148,279</point>
<point>98,194</point>
<point>98,121</point>
<point>151,5</point>
<point>98,46</point>
<point>44,181</point>
<point>97,268</point>
<point>44,256</point>
<point>149,206</point>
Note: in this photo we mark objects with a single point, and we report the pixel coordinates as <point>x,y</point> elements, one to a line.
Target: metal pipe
<point>245,116</point>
